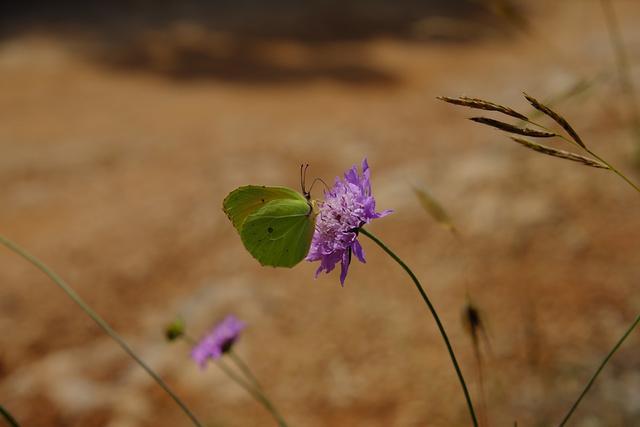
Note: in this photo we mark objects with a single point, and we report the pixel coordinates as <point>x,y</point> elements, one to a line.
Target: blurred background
<point>124,124</point>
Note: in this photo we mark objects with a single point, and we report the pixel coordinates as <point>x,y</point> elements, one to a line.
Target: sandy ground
<point>115,177</point>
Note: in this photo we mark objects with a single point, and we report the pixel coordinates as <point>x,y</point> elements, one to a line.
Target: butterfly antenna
<point>314,183</point>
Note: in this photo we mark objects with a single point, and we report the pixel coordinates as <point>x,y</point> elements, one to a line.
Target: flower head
<point>218,341</point>
<point>346,207</point>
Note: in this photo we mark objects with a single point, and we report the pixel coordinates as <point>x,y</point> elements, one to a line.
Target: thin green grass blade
<point>9,419</point>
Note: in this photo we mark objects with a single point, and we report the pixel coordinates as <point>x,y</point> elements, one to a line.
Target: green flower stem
<point>253,391</point>
<point>11,422</point>
<point>600,368</point>
<point>251,384</point>
<point>245,369</point>
<point>66,288</point>
<point>432,309</point>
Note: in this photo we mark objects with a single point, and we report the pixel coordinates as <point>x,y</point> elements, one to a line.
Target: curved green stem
<point>66,288</point>
<point>594,155</point>
<point>600,368</point>
<point>636,321</point>
<point>11,422</point>
<point>432,309</point>
<point>614,170</point>
<point>254,392</point>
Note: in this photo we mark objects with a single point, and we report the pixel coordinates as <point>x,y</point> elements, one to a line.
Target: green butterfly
<point>276,224</point>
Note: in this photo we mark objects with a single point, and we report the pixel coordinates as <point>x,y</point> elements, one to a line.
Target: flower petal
<point>358,251</point>
<point>344,266</point>
<point>218,341</point>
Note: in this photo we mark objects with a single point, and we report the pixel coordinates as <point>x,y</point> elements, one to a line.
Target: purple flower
<point>218,341</point>
<point>346,207</point>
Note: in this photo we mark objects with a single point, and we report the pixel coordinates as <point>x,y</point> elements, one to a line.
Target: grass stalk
<point>600,368</point>
<point>67,289</point>
<point>8,418</point>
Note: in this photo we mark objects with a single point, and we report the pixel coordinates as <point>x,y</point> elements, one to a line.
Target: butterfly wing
<point>279,233</point>
<point>244,201</point>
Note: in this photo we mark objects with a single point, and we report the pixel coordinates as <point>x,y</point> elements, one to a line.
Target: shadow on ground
<point>248,41</point>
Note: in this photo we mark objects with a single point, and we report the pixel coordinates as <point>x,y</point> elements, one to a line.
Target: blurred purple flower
<point>346,207</point>
<point>218,341</point>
